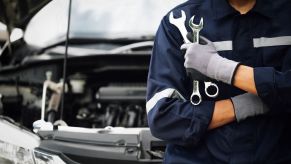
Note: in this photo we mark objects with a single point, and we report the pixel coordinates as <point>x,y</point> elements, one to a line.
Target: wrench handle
<point>195,98</point>
<point>196,36</point>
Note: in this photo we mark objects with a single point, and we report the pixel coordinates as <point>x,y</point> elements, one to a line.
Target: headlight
<point>10,154</point>
<point>45,158</point>
<point>17,146</point>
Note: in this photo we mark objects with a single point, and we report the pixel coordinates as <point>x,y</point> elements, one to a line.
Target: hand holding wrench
<point>211,89</point>
<point>196,98</point>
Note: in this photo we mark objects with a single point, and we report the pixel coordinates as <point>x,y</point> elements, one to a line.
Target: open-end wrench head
<point>196,26</point>
<point>180,24</point>
<point>183,15</point>
<point>171,17</point>
<point>177,20</point>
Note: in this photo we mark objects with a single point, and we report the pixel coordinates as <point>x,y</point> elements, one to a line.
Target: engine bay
<point>100,91</point>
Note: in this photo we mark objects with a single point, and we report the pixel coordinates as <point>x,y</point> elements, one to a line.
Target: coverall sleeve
<point>274,87</point>
<point>171,116</point>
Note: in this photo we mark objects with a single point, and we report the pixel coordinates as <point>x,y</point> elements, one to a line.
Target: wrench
<point>211,89</point>
<point>196,98</point>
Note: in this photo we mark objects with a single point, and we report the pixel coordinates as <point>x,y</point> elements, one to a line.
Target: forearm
<point>272,86</point>
<point>224,110</point>
<point>223,114</point>
<point>237,108</point>
<point>244,79</point>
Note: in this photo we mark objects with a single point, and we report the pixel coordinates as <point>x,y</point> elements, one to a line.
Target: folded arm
<point>271,85</point>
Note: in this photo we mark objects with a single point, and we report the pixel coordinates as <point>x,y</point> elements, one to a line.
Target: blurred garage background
<point>100,63</point>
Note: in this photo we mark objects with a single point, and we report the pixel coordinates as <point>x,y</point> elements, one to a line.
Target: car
<point>73,84</point>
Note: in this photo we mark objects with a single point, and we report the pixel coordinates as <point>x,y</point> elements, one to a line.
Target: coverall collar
<point>222,8</point>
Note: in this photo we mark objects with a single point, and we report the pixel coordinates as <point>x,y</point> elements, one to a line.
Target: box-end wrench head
<point>211,89</point>
<point>195,98</point>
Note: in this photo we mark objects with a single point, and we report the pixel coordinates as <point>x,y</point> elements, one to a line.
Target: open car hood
<point>17,13</point>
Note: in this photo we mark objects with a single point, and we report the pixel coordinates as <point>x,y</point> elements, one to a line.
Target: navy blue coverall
<point>260,39</point>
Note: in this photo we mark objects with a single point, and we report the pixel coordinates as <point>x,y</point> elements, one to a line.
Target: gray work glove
<point>205,59</point>
<point>248,105</point>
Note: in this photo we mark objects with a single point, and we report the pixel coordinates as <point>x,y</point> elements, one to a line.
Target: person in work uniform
<point>248,53</point>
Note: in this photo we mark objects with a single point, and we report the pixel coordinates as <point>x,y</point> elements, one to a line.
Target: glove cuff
<point>247,105</point>
<point>222,69</point>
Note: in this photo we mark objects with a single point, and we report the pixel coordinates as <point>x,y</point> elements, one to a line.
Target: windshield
<point>97,19</point>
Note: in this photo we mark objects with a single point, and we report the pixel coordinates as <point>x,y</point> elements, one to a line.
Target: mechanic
<point>250,57</point>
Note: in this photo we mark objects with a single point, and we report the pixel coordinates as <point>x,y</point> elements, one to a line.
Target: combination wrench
<point>211,89</point>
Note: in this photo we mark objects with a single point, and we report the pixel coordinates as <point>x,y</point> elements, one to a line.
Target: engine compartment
<point>101,90</point>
